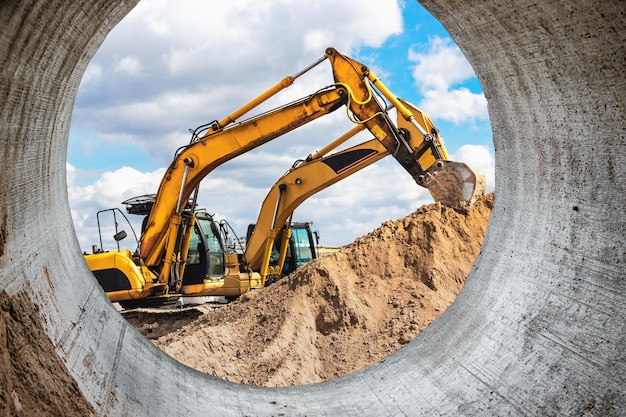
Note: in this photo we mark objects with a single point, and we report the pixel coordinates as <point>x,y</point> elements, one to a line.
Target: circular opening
<point>141,93</point>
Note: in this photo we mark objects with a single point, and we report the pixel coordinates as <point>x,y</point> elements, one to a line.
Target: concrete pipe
<point>539,327</point>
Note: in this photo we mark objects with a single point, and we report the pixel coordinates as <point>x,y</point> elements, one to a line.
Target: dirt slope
<point>33,380</point>
<point>342,311</point>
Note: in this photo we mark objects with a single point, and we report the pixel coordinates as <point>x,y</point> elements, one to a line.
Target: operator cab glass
<point>302,245</point>
<point>205,259</point>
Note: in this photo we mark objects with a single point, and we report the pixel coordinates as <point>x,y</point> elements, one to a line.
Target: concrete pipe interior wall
<point>539,327</point>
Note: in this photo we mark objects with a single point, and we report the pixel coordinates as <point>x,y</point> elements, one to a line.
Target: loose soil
<point>336,314</point>
<point>33,380</point>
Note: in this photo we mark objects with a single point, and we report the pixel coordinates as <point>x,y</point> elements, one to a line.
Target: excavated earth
<point>336,314</point>
<point>33,380</point>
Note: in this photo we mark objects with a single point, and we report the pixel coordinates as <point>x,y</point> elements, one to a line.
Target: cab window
<point>302,245</point>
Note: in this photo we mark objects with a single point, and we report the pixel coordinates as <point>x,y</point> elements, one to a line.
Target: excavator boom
<point>197,160</point>
<point>221,143</point>
<point>298,184</point>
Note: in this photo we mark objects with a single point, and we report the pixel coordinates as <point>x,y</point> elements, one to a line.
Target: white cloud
<point>106,192</point>
<point>317,39</point>
<point>457,106</point>
<point>437,71</point>
<point>342,212</point>
<point>201,33</point>
<point>128,182</point>
<point>92,74</point>
<point>200,60</point>
<point>128,65</point>
<point>441,66</point>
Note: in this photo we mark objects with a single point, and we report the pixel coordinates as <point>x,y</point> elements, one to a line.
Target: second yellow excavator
<point>163,266</point>
<point>268,245</point>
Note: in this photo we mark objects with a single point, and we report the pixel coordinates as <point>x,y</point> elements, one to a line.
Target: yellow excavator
<point>268,245</point>
<point>176,258</point>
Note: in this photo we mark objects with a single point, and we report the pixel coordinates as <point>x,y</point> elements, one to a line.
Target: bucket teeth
<point>454,184</point>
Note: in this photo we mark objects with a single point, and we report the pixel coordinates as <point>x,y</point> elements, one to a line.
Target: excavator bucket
<point>454,184</point>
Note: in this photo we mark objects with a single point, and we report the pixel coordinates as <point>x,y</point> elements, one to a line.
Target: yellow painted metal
<point>184,246</point>
<point>315,174</point>
<point>231,118</point>
<point>454,184</point>
<point>299,184</point>
<point>337,142</point>
<point>428,153</point>
<point>267,251</point>
<point>143,283</point>
<point>284,245</point>
<point>418,152</point>
<point>219,147</point>
<point>232,285</point>
<point>170,255</point>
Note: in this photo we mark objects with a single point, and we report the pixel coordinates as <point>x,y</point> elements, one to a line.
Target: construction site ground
<point>336,314</point>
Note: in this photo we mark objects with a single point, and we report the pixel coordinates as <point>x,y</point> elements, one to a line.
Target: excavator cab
<point>301,248</point>
<point>205,258</point>
<point>302,244</point>
<point>206,251</point>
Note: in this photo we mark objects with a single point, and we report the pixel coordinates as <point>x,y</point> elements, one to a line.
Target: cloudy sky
<point>171,66</point>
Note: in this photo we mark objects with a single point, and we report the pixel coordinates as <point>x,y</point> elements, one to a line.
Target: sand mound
<point>33,380</point>
<point>340,312</point>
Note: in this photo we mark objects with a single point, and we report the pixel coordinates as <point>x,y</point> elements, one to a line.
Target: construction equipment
<point>158,268</point>
<point>267,247</point>
<point>288,248</point>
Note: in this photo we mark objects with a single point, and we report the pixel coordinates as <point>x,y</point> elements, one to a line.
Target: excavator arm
<point>453,184</point>
<point>197,160</point>
<point>298,184</point>
<point>224,142</point>
<point>321,170</point>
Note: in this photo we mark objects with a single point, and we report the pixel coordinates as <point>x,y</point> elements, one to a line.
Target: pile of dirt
<point>33,381</point>
<point>340,312</point>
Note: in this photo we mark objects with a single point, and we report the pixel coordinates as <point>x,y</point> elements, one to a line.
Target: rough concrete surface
<point>539,326</point>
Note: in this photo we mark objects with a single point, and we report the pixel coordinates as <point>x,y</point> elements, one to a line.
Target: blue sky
<point>171,66</point>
